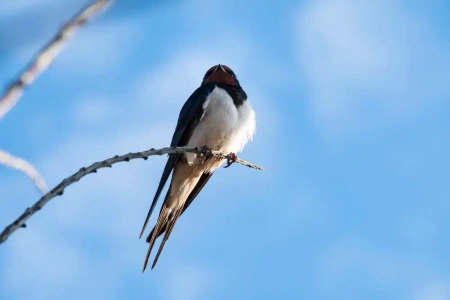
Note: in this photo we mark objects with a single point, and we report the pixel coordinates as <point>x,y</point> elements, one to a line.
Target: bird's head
<point>220,74</point>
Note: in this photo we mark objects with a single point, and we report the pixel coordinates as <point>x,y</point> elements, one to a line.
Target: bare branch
<point>45,57</point>
<point>107,163</point>
<point>25,167</point>
<point>39,64</point>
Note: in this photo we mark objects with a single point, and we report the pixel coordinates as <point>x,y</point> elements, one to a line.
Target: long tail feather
<point>162,219</point>
<point>169,225</point>
<point>173,158</point>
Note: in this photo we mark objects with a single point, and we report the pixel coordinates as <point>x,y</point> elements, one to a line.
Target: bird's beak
<point>219,67</point>
<point>220,75</point>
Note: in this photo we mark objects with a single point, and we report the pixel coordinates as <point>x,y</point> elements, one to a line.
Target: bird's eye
<point>232,74</point>
<point>207,74</point>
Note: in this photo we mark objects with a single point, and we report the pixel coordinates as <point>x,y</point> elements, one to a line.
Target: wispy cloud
<point>355,259</point>
<point>189,283</point>
<point>102,48</point>
<point>368,63</point>
<point>185,69</point>
<point>434,290</point>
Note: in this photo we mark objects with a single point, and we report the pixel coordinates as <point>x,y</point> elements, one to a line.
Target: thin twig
<point>45,57</point>
<point>39,64</point>
<point>25,167</point>
<point>107,163</point>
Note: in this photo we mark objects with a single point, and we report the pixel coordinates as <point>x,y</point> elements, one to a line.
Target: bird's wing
<point>198,187</point>
<point>189,117</point>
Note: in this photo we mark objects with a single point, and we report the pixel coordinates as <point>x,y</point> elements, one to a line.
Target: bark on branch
<point>107,163</point>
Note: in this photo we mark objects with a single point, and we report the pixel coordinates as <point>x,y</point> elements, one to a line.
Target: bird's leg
<point>207,153</point>
<point>231,159</point>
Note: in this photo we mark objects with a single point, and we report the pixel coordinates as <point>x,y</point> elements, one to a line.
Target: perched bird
<point>216,116</point>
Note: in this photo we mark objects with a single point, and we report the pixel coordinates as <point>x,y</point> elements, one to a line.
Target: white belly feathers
<point>223,126</point>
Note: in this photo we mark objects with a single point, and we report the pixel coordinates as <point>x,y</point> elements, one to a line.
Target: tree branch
<point>39,64</point>
<point>45,57</point>
<point>25,167</point>
<point>107,163</point>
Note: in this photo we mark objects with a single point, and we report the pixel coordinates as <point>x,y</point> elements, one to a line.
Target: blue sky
<point>351,99</point>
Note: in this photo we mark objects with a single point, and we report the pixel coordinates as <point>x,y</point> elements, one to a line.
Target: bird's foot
<point>231,159</point>
<point>207,153</point>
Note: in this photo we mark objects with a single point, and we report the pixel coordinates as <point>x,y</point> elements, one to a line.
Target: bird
<point>217,116</point>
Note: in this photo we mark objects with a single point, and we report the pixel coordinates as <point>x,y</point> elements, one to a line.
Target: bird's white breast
<point>223,126</point>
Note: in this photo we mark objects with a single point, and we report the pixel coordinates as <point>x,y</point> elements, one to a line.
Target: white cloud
<point>420,226</point>
<point>94,110</point>
<point>436,290</point>
<point>44,264</point>
<point>358,259</point>
<point>189,283</point>
<point>169,84</point>
<point>99,48</point>
<point>367,62</point>
<point>347,257</point>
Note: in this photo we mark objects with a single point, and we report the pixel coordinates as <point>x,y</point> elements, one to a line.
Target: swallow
<point>217,116</point>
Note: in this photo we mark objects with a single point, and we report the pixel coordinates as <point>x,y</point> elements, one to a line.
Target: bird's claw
<point>231,159</point>
<point>207,153</point>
